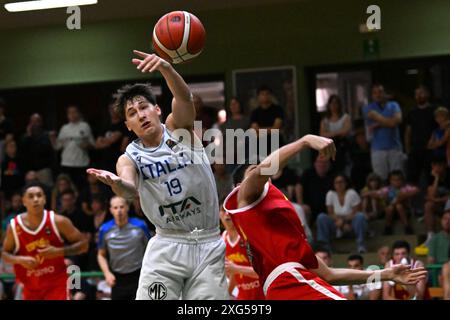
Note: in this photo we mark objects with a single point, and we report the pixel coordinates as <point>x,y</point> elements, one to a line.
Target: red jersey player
<point>281,255</point>
<point>34,244</point>
<point>237,263</point>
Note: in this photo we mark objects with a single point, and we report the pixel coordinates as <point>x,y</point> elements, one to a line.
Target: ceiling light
<point>45,4</point>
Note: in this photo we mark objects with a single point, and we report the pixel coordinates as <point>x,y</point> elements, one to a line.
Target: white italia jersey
<point>176,184</point>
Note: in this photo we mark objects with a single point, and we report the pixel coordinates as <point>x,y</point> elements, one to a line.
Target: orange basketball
<point>178,36</point>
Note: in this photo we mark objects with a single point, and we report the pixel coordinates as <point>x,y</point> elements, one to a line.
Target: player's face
<point>226,219</point>
<point>142,117</point>
<point>34,199</point>
<point>119,210</point>
<point>355,264</point>
<point>399,254</point>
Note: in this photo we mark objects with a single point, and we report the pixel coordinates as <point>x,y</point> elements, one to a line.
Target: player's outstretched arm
<point>399,273</point>
<point>8,255</point>
<point>183,111</point>
<point>253,185</point>
<point>124,183</point>
<point>78,243</point>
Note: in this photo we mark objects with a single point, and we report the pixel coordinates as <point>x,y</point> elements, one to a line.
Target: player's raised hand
<point>405,275</point>
<point>325,146</point>
<point>28,262</point>
<point>51,252</point>
<point>149,62</point>
<point>104,176</point>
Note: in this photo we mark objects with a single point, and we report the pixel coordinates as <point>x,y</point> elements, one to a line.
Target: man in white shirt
<point>74,138</point>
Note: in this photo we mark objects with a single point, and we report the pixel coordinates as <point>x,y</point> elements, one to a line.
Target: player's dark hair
<point>128,92</point>
<point>239,172</point>
<point>401,244</point>
<point>263,88</point>
<point>396,173</point>
<point>354,257</point>
<point>31,185</point>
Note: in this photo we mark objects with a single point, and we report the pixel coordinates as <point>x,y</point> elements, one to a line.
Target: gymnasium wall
<point>300,34</point>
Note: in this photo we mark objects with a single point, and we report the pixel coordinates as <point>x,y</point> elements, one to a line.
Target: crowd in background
<point>376,175</point>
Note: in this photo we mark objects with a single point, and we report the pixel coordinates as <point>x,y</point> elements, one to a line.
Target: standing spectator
<point>75,138</point>
<point>6,127</point>
<point>224,182</point>
<point>441,135</point>
<point>420,124</point>
<point>121,247</point>
<point>314,185</point>
<point>360,158</point>
<point>438,193</point>
<point>267,116</point>
<point>37,151</point>
<point>365,291</point>
<point>383,118</point>
<point>440,242</point>
<point>373,205</point>
<point>336,125</point>
<point>344,215</point>
<point>398,196</point>
<point>110,144</point>
<point>396,291</point>
<point>13,171</point>
<point>63,183</point>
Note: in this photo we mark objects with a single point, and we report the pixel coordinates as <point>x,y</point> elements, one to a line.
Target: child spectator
<point>373,205</point>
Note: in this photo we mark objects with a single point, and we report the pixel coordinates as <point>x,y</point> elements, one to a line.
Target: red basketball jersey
<point>27,242</point>
<point>249,288</point>
<point>273,231</point>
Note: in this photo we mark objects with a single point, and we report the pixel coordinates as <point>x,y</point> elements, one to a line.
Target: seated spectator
<point>398,196</point>
<point>63,183</point>
<point>74,139</point>
<point>315,182</point>
<point>336,125</point>
<point>360,158</point>
<point>325,255</point>
<point>344,215</point>
<point>94,189</point>
<point>383,118</point>
<point>446,277</point>
<point>396,291</point>
<point>440,136</point>
<point>384,254</point>
<point>365,291</point>
<point>15,209</point>
<point>372,205</point>
<point>438,193</point>
<point>13,170</point>
<point>440,242</point>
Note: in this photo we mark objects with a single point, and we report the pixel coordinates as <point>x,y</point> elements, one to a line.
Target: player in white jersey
<point>172,176</point>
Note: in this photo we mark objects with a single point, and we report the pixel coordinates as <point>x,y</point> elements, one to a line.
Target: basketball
<point>178,36</point>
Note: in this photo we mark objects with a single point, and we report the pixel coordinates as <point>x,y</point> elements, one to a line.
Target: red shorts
<point>301,284</point>
<point>57,291</point>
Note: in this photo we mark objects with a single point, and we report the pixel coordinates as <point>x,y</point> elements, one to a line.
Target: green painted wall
<point>300,34</point>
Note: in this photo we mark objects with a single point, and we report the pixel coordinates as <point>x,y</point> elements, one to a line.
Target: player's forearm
<point>247,271</point>
<point>10,258</point>
<point>177,85</point>
<point>125,189</point>
<point>75,248</point>
<point>339,276</point>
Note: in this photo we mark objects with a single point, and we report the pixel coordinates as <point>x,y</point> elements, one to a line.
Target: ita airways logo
<point>157,291</point>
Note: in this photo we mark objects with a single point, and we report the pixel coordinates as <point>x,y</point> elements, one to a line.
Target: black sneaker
<point>387,231</point>
<point>409,230</point>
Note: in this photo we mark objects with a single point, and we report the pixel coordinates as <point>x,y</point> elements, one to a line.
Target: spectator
<point>420,124</point>
<point>373,206</point>
<point>314,185</point>
<point>15,209</point>
<point>336,125</point>
<point>325,255</point>
<point>224,182</point>
<point>304,220</point>
<point>74,138</point>
<point>63,183</point>
<point>440,242</point>
<point>398,196</point>
<point>366,291</point>
<point>94,189</point>
<point>446,277</point>
<point>438,193</point>
<point>37,151</point>
<point>121,246</point>
<point>206,114</point>
<point>267,116</point>
<point>13,171</point>
<point>6,128</point>
<point>384,254</point>
<point>110,145</point>
<point>440,136</point>
<point>344,215</point>
<point>383,118</point>
<point>396,291</point>
<point>360,158</point>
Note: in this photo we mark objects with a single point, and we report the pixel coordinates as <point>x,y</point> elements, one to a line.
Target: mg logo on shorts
<point>157,291</point>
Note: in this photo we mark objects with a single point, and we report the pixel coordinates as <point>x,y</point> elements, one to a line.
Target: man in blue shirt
<point>382,118</point>
<point>121,247</point>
